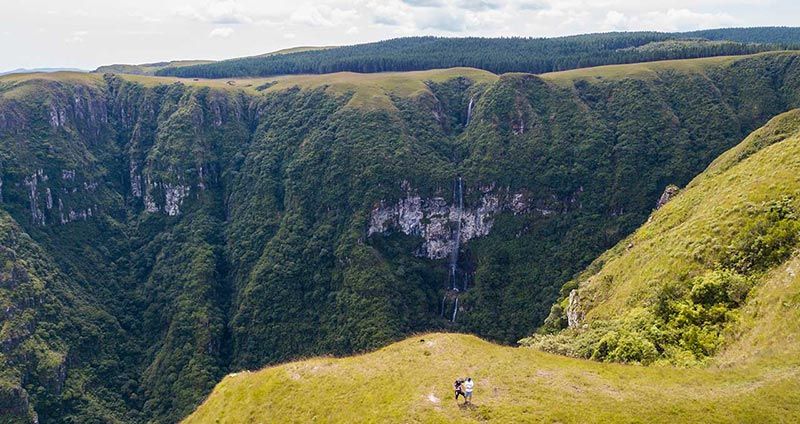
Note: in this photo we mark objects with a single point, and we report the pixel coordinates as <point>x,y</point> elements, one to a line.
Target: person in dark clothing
<point>458,389</point>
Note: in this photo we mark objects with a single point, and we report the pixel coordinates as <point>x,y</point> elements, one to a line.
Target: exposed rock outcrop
<point>667,195</point>
<point>574,311</point>
<point>173,197</point>
<point>434,219</point>
<point>31,182</point>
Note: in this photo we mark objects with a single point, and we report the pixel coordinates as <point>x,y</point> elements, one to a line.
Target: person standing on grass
<point>457,386</point>
<point>468,385</point>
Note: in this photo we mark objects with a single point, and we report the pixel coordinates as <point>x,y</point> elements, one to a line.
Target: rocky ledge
<point>435,219</point>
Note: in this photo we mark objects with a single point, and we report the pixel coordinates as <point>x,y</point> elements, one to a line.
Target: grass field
<point>410,382</point>
<point>369,90</point>
<point>147,68</point>
<point>645,70</point>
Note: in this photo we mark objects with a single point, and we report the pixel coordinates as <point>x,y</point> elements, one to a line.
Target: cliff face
<point>190,231</point>
<point>434,219</point>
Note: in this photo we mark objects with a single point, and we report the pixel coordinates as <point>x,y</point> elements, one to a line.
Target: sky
<point>88,33</point>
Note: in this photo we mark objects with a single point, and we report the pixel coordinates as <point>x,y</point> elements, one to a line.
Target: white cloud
<point>479,4</point>
<point>390,13</point>
<point>222,12</point>
<point>443,20</point>
<point>424,3</point>
<point>666,20</point>
<point>531,5</point>
<point>77,37</point>
<point>223,32</point>
<point>322,15</point>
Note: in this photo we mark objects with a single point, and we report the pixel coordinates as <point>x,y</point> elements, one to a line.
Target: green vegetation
<point>212,226</point>
<point>501,55</point>
<point>675,289</point>
<point>730,239</point>
<point>148,68</point>
<point>680,45</point>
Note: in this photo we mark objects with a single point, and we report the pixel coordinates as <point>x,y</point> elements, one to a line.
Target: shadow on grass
<point>467,406</point>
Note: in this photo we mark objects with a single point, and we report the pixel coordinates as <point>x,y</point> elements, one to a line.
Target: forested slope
<point>208,227</point>
<point>500,55</point>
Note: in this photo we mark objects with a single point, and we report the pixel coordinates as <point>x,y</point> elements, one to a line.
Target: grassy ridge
<point>410,382</point>
<point>688,235</point>
<point>642,300</point>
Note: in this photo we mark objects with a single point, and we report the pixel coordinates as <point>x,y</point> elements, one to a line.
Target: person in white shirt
<point>468,385</point>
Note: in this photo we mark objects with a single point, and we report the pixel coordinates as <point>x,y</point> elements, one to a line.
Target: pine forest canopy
<point>501,55</point>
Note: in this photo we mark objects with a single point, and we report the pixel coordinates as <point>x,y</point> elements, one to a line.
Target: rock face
<point>73,200</point>
<point>667,195</point>
<point>435,220</point>
<point>574,311</point>
<point>14,403</point>
<point>31,182</point>
<point>173,197</point>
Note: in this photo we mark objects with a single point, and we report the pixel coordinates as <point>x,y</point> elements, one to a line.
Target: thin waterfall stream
<point>469,110</point>
<point>453,283</point>
<point>458,193</point>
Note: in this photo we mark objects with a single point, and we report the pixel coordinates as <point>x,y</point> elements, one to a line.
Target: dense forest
<point>501,55</point>
<point>157,236</point>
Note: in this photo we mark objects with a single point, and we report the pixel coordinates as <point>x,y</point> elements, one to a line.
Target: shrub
<point>768,239</point>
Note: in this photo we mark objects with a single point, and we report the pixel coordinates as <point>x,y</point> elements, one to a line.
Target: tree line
<point>501,55</point>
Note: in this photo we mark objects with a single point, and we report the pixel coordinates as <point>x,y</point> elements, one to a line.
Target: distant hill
<point>148,68</point>
<point>501,55</point>
<point>153,68</point>
<point>35,70</point>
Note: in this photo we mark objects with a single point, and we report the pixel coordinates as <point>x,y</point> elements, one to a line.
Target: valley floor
<point>410,381</point>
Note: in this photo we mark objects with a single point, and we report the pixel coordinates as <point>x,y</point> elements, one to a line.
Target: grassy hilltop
<point>410,382</point>
<point>755,377</point>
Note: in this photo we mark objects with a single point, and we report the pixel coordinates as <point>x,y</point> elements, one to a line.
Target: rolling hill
<point>147,68</point>
<point>755,377</point>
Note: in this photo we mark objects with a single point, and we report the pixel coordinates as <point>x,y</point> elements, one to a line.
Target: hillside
<point>755,379</point>
<point>678,288</point>
<point>501,55</point>
<point>147,68</point>
<point>324,214</point>
<point>153,68</point>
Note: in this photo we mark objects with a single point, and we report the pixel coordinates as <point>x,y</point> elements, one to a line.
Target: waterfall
<point>452,289</point>
<point>457,190</point>
<point>469,110</point>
